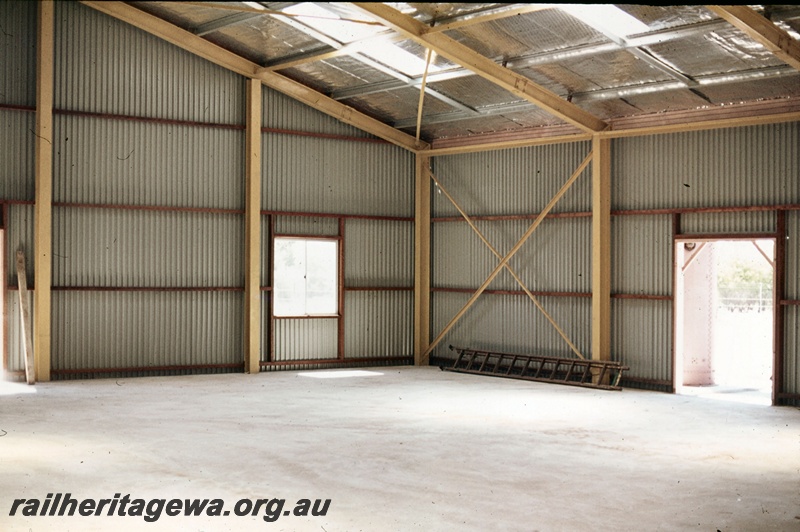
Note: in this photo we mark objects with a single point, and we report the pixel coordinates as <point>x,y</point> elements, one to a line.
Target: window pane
<point>306,279</point>
<point>321,277</point>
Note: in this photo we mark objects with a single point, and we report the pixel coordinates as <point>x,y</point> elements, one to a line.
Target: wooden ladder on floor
<point>604,375</point>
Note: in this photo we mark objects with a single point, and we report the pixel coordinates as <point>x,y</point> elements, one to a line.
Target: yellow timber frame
<point>591,129</point>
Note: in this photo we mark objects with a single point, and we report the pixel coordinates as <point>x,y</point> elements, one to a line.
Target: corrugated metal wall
<point>339,170</point>
<point>131,248</point>
<point>726,167</point>
<point>791,322</point>
<point>641,251</point>
<point>378,254</point>
<point>284,113</point>
<point>698,170</point>
<point>18,95</point>
<point>19,235</point>
<point>103,65</point>
<point>136,287</point>
<point>518,181</point>
<point>149,190</point>
<point>18,50</point>
<point>556,258</point>
<point>740,167</point>
<point>728,222</point>
<point>16,155</point>
<point>336,176</point>
<point>102,330</point>
<point>512,324</point>
<point>117,162</point>
<point>166,160</point>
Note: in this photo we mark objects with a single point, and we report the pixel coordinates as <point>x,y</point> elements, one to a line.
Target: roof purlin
<point>483,66</point>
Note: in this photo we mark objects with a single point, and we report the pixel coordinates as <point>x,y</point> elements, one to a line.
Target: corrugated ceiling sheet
<point>526,34</point>
<point>599,71</point>
<point>332,74</point>
<point>401,104</point>
<point>427,11</point>
<point>475,92</point>
<point>722,50</point>
<point>659,17</point>
<point>644,103</point>
<point>754,90</point>
<point>263,39</point>
<point>183,13</point>
<point>504,122</point>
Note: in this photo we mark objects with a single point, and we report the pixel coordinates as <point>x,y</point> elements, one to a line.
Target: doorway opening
<point>724,313</point>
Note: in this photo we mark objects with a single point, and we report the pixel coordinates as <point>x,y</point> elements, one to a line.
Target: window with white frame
<point>305,281</point>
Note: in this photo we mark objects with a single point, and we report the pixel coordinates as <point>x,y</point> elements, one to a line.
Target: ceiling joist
<point>226,59</point>
<point>483,66</point>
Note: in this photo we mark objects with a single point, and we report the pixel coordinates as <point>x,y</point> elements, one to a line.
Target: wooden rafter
<point>763,31</point>
<point>483,66</point>
<point>226,59</point>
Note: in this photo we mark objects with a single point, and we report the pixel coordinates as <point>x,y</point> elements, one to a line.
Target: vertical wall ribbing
<point>139,288</point>
<point>106,66</point>
<point>18,50</point>
<point>556,258</point>
<point>738,167</point>
<point>338,172</point>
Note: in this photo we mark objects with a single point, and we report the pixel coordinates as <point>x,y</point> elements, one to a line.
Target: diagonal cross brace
<point>508,267</point>
<point>564,188</point>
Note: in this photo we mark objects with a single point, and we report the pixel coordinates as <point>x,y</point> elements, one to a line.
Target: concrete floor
<point>401,449</point>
